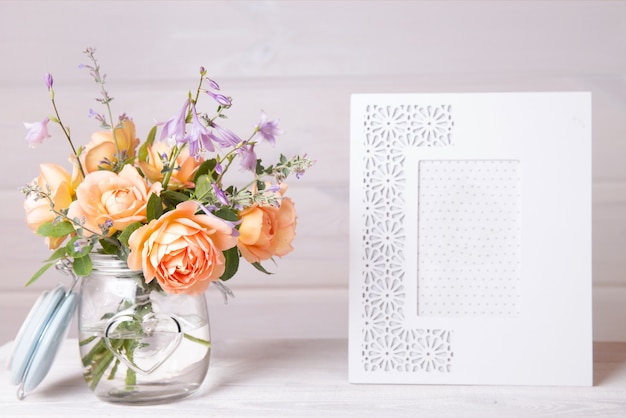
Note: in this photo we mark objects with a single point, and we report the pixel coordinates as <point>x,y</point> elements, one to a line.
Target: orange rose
<point>105,197</point>
<point>182,250</point>
<point>55,178</point>
<point>183,172</point>
<point>267,231</point>
<point>101,150</point>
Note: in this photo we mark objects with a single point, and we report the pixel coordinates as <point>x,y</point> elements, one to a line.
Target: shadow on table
<point>609,363</point>
<point>266,362</point>
<point>59,388</point>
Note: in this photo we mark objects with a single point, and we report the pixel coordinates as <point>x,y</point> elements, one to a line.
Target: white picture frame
<point>470,239</point>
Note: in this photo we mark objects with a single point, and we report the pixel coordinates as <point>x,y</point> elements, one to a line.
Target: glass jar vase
<point>138,344</point>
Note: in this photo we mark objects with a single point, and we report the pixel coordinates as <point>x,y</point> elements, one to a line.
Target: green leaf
<point>82,266</point>
<point>203,186</point>
<point>151,135</point>
<point>128,231</point>
<point>269,170</point>
<point>227,214</point>
<point>173,198</point>
<point>57,254</point>
<point>154,209</point>
<point>70,248</point>
<point>142,154</point>
<point>109,245</point>
<point>260,185</point>
<point>232,263</point>
<point>259,267</point>
<point>55,229</point>
<point>206,168</point>
<point>259,170</point>
<point>38,274</point>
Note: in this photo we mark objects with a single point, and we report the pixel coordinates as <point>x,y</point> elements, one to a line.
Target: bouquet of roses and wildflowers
<point>162,204</point>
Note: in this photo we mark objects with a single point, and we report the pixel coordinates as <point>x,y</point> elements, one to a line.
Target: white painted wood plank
<point>273,55</point>
<point>309,378</point>
<point>317,125</point>
<point>284,38</point>
<point>319,258</point>
<point>253,313</point>
<point>302,313</point>
<point>321,244</point>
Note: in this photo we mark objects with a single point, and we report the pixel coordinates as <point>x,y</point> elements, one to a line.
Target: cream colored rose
<point>101,152</point>
<point>181,250</point>
<point>58,181</point>
<point>267,231</point>
<point>105,197</point>
<point>183,173</point>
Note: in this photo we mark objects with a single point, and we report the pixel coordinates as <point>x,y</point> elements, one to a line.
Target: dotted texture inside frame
<point>469,256</point>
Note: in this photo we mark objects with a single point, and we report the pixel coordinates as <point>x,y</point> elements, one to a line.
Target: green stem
<point>100,365</point>
<point>172,165</point>
<point>106,99</point>
<point>205,343</point>
<point>67,135</point>
<point>195,100</point>
<point>131,378</point>
<point>64,216</point>
<point>230,156</point>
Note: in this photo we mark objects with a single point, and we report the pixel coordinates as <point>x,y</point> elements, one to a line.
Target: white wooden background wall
<point>300,61</point>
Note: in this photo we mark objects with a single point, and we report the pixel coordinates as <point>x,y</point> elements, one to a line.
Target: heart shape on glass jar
<point>143,343</point>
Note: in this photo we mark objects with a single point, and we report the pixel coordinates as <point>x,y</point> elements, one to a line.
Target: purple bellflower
<point>248,157</point>
<point>212,83</point>
<point>221,196</point>
<point>233,225</point>
<point>225,137</point>
<point>37,132</point>
<point>219,98</point>
<point>199,138</point>
<point>268,129</point>
<point>49,81</point>
<point>175,126</point>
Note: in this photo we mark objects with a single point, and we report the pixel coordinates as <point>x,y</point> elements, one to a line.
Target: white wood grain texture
<point>300,61</point>
<point>321,244</point>
<point>302,313</point>
<point>308,378</point>
<point>278,39</point>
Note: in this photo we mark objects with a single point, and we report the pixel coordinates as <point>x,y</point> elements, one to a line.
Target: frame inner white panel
<point>469,254</point>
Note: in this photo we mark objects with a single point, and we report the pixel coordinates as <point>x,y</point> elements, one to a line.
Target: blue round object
<point>39,338</point>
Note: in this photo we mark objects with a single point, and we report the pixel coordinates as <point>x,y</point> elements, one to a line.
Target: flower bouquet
<point>160,212</point>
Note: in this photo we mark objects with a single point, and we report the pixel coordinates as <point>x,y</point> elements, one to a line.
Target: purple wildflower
<point>199,138</point>
<point>225,138</point>
<point>49,81</point>
<point>274,188</point>
<point>80,245</point>
<point>37,132</point>
<point>98,116</point>
<point>219,98</point>
<point>175,126</point>
<point>106,226</point>
<point>232,225</point>
<point>268,129</point>
<point>219,193</point>
<point>248,159</point>
<point>212,83</point>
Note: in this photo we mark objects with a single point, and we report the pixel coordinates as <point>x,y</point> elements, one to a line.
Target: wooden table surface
<point>308,378</point>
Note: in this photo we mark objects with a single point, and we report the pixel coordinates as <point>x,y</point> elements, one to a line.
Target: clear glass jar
<point>138,344</point>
